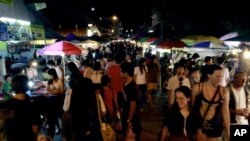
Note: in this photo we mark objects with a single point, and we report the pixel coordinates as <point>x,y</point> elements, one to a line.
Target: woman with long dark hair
<point>140,77</point>
<point>153,75</point>
<point>74,71</point>
<point>80,119</point>
<point>210,103</point>
<point>67,128</point>
<point>56,95</point>
<point>178,125</point>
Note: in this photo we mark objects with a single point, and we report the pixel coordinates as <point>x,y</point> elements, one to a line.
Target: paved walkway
<point>151,124</point>
<point>152,120</point>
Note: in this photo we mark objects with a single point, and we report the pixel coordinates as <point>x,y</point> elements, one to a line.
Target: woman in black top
<point>210,104</point>
<point>178,125</point>
<point>80,121</point>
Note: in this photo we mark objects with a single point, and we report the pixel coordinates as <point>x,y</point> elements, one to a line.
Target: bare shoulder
<point>60,68</point>
<point>196,87</point>
<point>224,92</point>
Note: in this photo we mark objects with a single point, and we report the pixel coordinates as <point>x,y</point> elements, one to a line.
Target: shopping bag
<point>130,135</point>
<point>118,125</point>
<point>108,133</point>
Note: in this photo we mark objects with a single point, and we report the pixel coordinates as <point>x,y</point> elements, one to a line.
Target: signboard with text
<point>3,32</point>
<point>37,32</point>
<point>21,32</point>
<point>17,32</point>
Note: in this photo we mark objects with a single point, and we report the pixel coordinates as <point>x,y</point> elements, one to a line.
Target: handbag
<point>130,135</point>
<point>107,132</point>
<point>118,124</point>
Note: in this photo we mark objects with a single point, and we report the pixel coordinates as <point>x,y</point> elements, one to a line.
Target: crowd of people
<point>114,87</point>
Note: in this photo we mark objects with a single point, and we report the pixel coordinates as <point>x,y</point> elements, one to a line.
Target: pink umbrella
<point>61,48</point>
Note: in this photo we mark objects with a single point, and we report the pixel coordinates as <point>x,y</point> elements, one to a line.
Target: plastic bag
<point>130,135</point>
<point>108,134</point>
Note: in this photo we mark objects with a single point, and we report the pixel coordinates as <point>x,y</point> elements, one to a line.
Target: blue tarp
<point>211,45</point>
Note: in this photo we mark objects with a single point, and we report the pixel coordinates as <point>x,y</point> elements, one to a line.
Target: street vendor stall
<point>61,48</point>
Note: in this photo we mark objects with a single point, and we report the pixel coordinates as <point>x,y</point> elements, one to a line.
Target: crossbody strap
<point>98,108</point>
<point>247,96</point>
<point>210,102</point>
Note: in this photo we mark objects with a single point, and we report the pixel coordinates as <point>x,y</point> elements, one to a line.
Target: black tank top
<point>215,122</point>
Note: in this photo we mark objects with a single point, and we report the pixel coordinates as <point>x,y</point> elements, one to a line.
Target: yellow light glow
<point>236,51</point>
<point>246,54</point>
<point>90,25</point>
<point>34,64</point>
<point>89,33</point>
<point>164,50</point>
<point>114,18</point>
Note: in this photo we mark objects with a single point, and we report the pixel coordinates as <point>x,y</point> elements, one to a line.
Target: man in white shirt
<point>239,103</point>
<point>59,70</point>
<point>175,82</point>
<point>226,77</point>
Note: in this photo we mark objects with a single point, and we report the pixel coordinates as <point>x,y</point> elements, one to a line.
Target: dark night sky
<point>133,13</point>
<point>130,12</point>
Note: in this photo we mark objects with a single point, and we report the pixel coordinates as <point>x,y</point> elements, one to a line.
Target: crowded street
<point>124,71</point>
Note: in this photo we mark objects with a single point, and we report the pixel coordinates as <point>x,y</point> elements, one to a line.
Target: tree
<point>178,22</point>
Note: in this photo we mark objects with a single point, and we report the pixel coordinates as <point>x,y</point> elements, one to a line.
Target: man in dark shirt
<point>130,114</point>
<point>208,61</point>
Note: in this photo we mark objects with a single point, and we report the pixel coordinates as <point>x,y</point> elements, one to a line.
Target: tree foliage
<point>216,21</point>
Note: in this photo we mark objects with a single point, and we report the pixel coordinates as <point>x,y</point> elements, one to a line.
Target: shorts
<point>152,86</point>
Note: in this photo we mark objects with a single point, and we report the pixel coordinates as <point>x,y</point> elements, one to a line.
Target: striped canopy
<point>210,45</point>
